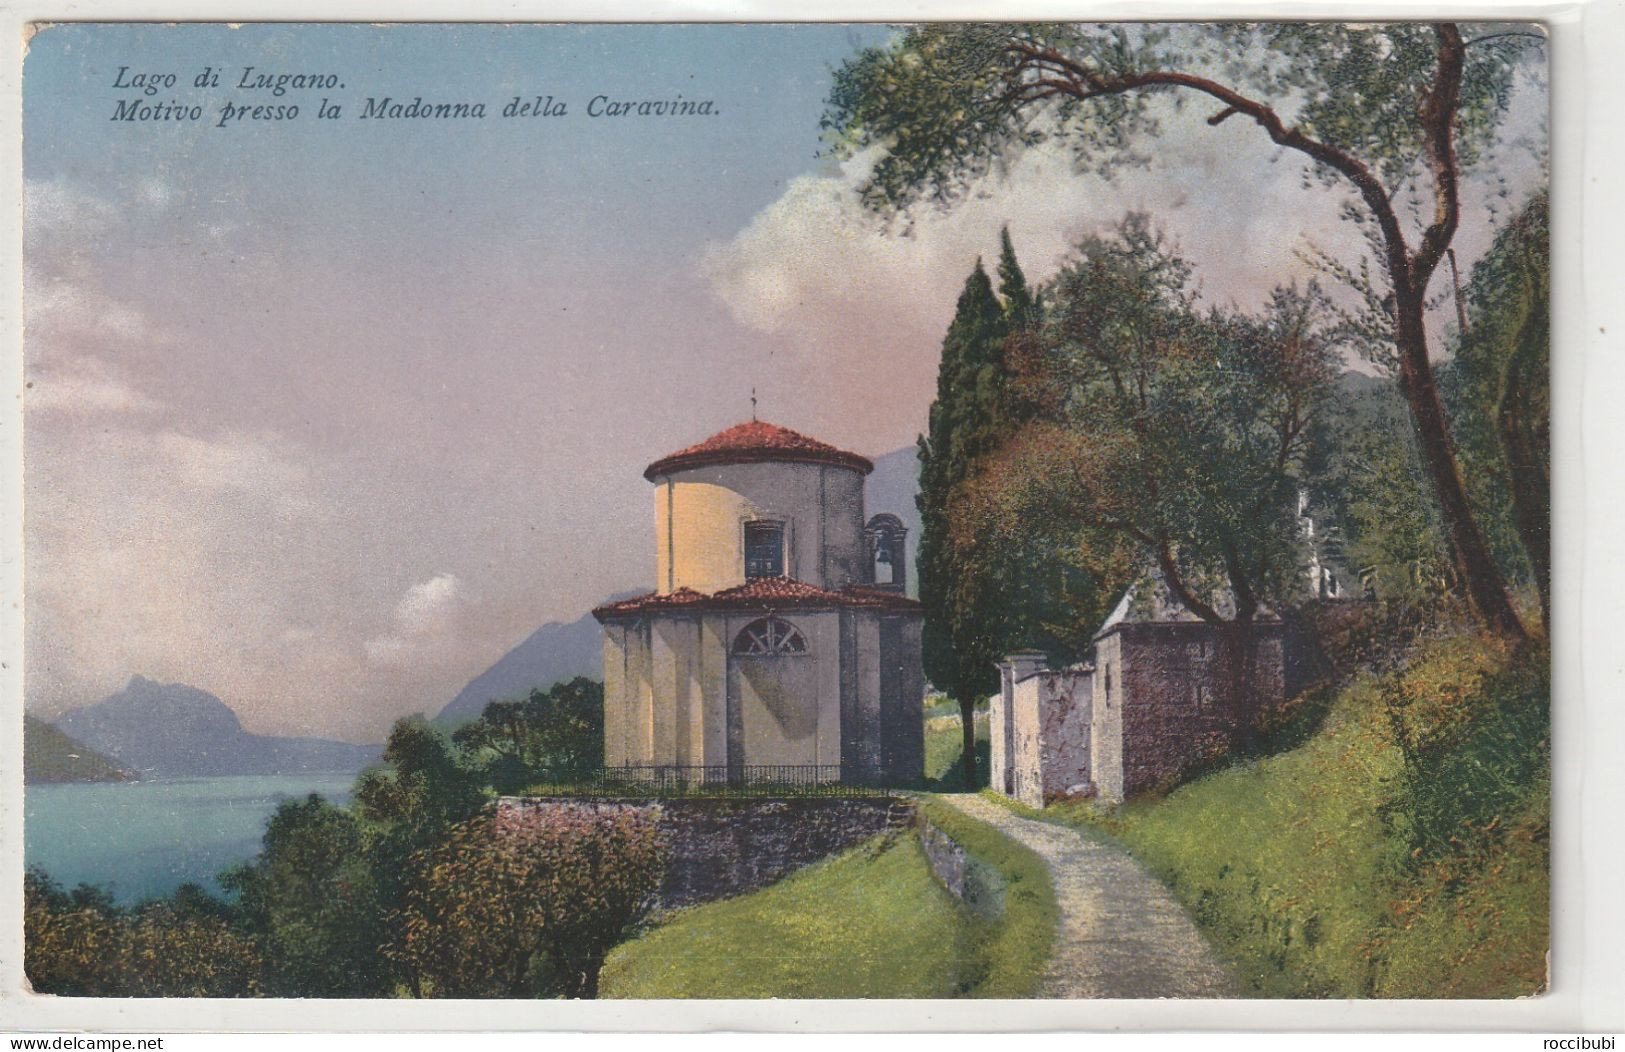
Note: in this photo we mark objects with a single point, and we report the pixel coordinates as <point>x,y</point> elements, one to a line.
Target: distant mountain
<point>554,653</point>
<point>173,729</point>
<point>51,756</point>
<point>892,487</point>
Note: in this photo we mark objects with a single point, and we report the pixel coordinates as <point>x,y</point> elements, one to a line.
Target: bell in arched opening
<point>888,553</point>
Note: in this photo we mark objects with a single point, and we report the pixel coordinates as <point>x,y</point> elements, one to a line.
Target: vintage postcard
<point>598,512</point>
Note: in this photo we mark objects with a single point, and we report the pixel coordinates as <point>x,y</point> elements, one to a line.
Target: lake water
<point>147,838</point>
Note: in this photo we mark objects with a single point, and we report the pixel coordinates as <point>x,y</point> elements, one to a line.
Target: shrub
<point>166,953</point>
<point>78,945</point>
<point>528,903</point>
<point>1473,723</point>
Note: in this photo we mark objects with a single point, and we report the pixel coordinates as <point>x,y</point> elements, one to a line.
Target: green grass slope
<point>872,922</point>
<point>1394,847</point>
<point>945,746</point>
<point>51,756</point>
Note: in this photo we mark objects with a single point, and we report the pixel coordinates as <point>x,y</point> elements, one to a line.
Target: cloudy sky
<point>324,416</point>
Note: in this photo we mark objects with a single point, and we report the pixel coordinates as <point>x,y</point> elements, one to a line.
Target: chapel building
<point>778,644</point>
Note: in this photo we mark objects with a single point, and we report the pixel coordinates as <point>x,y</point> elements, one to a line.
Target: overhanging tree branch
<point>1082,83</point>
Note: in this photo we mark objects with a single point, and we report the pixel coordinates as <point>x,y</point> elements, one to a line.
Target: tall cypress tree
<point>959,652</point>
<point>1020,308</point>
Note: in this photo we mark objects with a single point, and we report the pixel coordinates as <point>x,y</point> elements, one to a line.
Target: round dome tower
<point>755,501</point>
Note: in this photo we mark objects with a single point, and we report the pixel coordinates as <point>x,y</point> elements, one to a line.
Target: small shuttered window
<point>764,550</point>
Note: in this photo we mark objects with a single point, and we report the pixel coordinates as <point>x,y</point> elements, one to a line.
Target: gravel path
<point>1121,933</point>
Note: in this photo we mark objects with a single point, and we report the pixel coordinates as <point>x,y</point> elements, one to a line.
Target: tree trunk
<point>1237,643</point>
<point>1469,552</point>
<point>589,979</point>
<point>967,723</point>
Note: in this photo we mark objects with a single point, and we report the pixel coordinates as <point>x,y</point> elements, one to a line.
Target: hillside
<point>173,729</point>
<point>1391,843</point>
<point>871,922</point>
<point>51,756</point>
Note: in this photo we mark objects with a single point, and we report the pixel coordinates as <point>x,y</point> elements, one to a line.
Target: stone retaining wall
<point>725,847</point>
<point>967,879</point>
<point>948,860</point>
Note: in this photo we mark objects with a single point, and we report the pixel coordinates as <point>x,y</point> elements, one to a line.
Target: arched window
<point>768,636</point>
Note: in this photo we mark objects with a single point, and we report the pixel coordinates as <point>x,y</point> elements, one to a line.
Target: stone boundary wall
<point>724,847</point>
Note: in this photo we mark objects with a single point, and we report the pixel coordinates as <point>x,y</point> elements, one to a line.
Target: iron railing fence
<point>727,780</point>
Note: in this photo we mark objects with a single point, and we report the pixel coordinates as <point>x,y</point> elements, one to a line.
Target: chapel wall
<point>788,705</point>
<point>902,701</point>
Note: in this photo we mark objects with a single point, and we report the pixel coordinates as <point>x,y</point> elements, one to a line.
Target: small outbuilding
<point>1161,696</point>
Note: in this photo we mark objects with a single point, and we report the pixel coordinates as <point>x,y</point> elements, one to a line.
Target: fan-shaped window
<point>770,635</point>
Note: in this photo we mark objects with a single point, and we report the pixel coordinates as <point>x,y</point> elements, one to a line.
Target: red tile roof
<point>764,593</point>
<point>652,601</point>
<point>757,441</point>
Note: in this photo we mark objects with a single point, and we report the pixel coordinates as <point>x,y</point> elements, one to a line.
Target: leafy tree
<point>1044,593</point>
<point>501,900</point>
<point>65,946</point>
<point>1020,308</point>
<point>166,953</point>
<point>311,896</point>
<point>961,637</point>
<point>1499,392</point>
<point>556,735</point>
<point>1366,479</point>
<point>1389,113</point>
<point>1182,434</point>
<point>421,788</point>
<point>194,900</point>
<point>405,805</point>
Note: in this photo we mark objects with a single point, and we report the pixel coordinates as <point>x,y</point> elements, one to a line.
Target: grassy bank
<point>872,922</point>
<point>1009,959</point>
<point>1394,846</point>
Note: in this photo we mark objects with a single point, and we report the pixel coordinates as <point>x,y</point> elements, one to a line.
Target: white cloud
<point>52,207</point>
<point>84,385</point>
<point>63,310</point>
<point>262,465</point>
<point>74,330</point>
<point>426,605</point>
<point>846,294</point>
<point>428,610</point>
<point>816,253</point>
